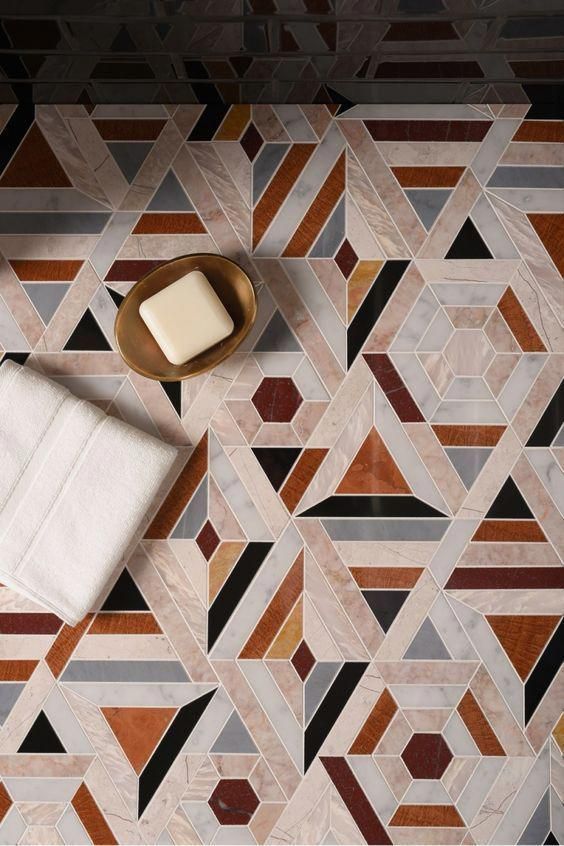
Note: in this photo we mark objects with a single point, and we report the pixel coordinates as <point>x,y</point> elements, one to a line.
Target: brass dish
<point>138,347</point>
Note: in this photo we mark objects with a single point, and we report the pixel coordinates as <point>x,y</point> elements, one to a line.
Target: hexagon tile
<point>344,622</point>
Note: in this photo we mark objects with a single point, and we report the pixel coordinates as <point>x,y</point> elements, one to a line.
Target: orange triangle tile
<point>290,635</point>
<point>138,730</point>
<point>35,165</point>
<point>373,470</point>
<point>523,637</point>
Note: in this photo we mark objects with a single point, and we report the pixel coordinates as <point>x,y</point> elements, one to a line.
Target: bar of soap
<point>186,318</point>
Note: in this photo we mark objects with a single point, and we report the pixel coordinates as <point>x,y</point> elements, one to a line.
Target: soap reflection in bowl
<point>138,347</point>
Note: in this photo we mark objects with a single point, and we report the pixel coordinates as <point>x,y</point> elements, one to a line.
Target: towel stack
<point>74,487</point>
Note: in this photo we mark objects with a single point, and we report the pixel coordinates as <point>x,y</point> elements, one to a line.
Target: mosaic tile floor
<point>344,622</point>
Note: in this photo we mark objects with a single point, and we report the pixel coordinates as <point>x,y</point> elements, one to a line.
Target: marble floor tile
<point>344,622</point>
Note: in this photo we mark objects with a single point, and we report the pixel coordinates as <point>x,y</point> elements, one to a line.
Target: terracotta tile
<point>125,624</point>
<point>386,577</point>
<point>373,471</point>
<point>181,492</point>
<point>512,531</point>
<point>276,613</point>
<point>478,726</point>
<point>519,323</point>
<point>427,177</point>
<point>468,435</point>
<point>427,816</point>
<point>169,223</point>
<point>43,270</point>
<point>91,817</point>
<point>301,475</point>
<point>268,205</point>
<point>129,130</point>
<point>16,670</point>
<point>523,637</point>
<point>64,645</point>
<point>374,726</point>
<point>138,730</point>
<point>319,211</point>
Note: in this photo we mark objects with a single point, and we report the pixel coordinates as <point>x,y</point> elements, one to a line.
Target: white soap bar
<point>186,318</point>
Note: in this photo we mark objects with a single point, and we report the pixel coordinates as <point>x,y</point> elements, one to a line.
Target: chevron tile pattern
<point>344,623</point>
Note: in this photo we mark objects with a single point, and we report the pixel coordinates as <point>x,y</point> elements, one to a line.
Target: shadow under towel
<point>74,487</point>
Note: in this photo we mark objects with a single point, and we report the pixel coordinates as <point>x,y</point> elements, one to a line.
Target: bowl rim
<point>203,369</point>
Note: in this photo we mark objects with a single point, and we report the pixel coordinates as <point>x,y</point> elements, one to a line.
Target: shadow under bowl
<point>138,347</point>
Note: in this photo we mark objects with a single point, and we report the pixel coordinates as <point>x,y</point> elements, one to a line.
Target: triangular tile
<point>427,644</point>
<point>468,462</point>
<point>170,196</point>
<point>129,156</point>
<point>385,604</point>
<point>115,295</point>
<point>468,244</point>
<point>46,297</point>
<point>125,596</point>
<point>277,337</point>
<point>373,470</point>
<point>523,637</point>
<point>123,42</point>
<point>18,357</point>
<point>428,203</point>
<point>276,462</point>
<point>234,737</point>
<point>510,504</point>
<point>41,738</point>
<point>173,390</point>
<point>34,165</point>
<point>538,827</point>
<point>138,731</point>
<point>87,335</point>
<point>9,695</point>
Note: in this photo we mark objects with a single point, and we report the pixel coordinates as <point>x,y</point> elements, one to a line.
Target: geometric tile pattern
<point>283,51</point>
<point>344,622</point>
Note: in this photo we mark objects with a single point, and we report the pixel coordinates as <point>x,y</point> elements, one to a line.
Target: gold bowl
<point>138,347</point>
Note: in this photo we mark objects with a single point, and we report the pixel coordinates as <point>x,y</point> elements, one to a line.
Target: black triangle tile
<point>385,604</point>
<point>18,357</point>
<point>510,504</point>
<point>173,390</point>
<point>87,335</point>
<point>550,840</point>
<point>468,244</point>
<point>125,596</point>
<point>116,296</point>
<point>276,462</point>
<point>371,506</point>
<point>41,738</point>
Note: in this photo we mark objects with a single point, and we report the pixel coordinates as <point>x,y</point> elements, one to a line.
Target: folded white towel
<point>74,487</point>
